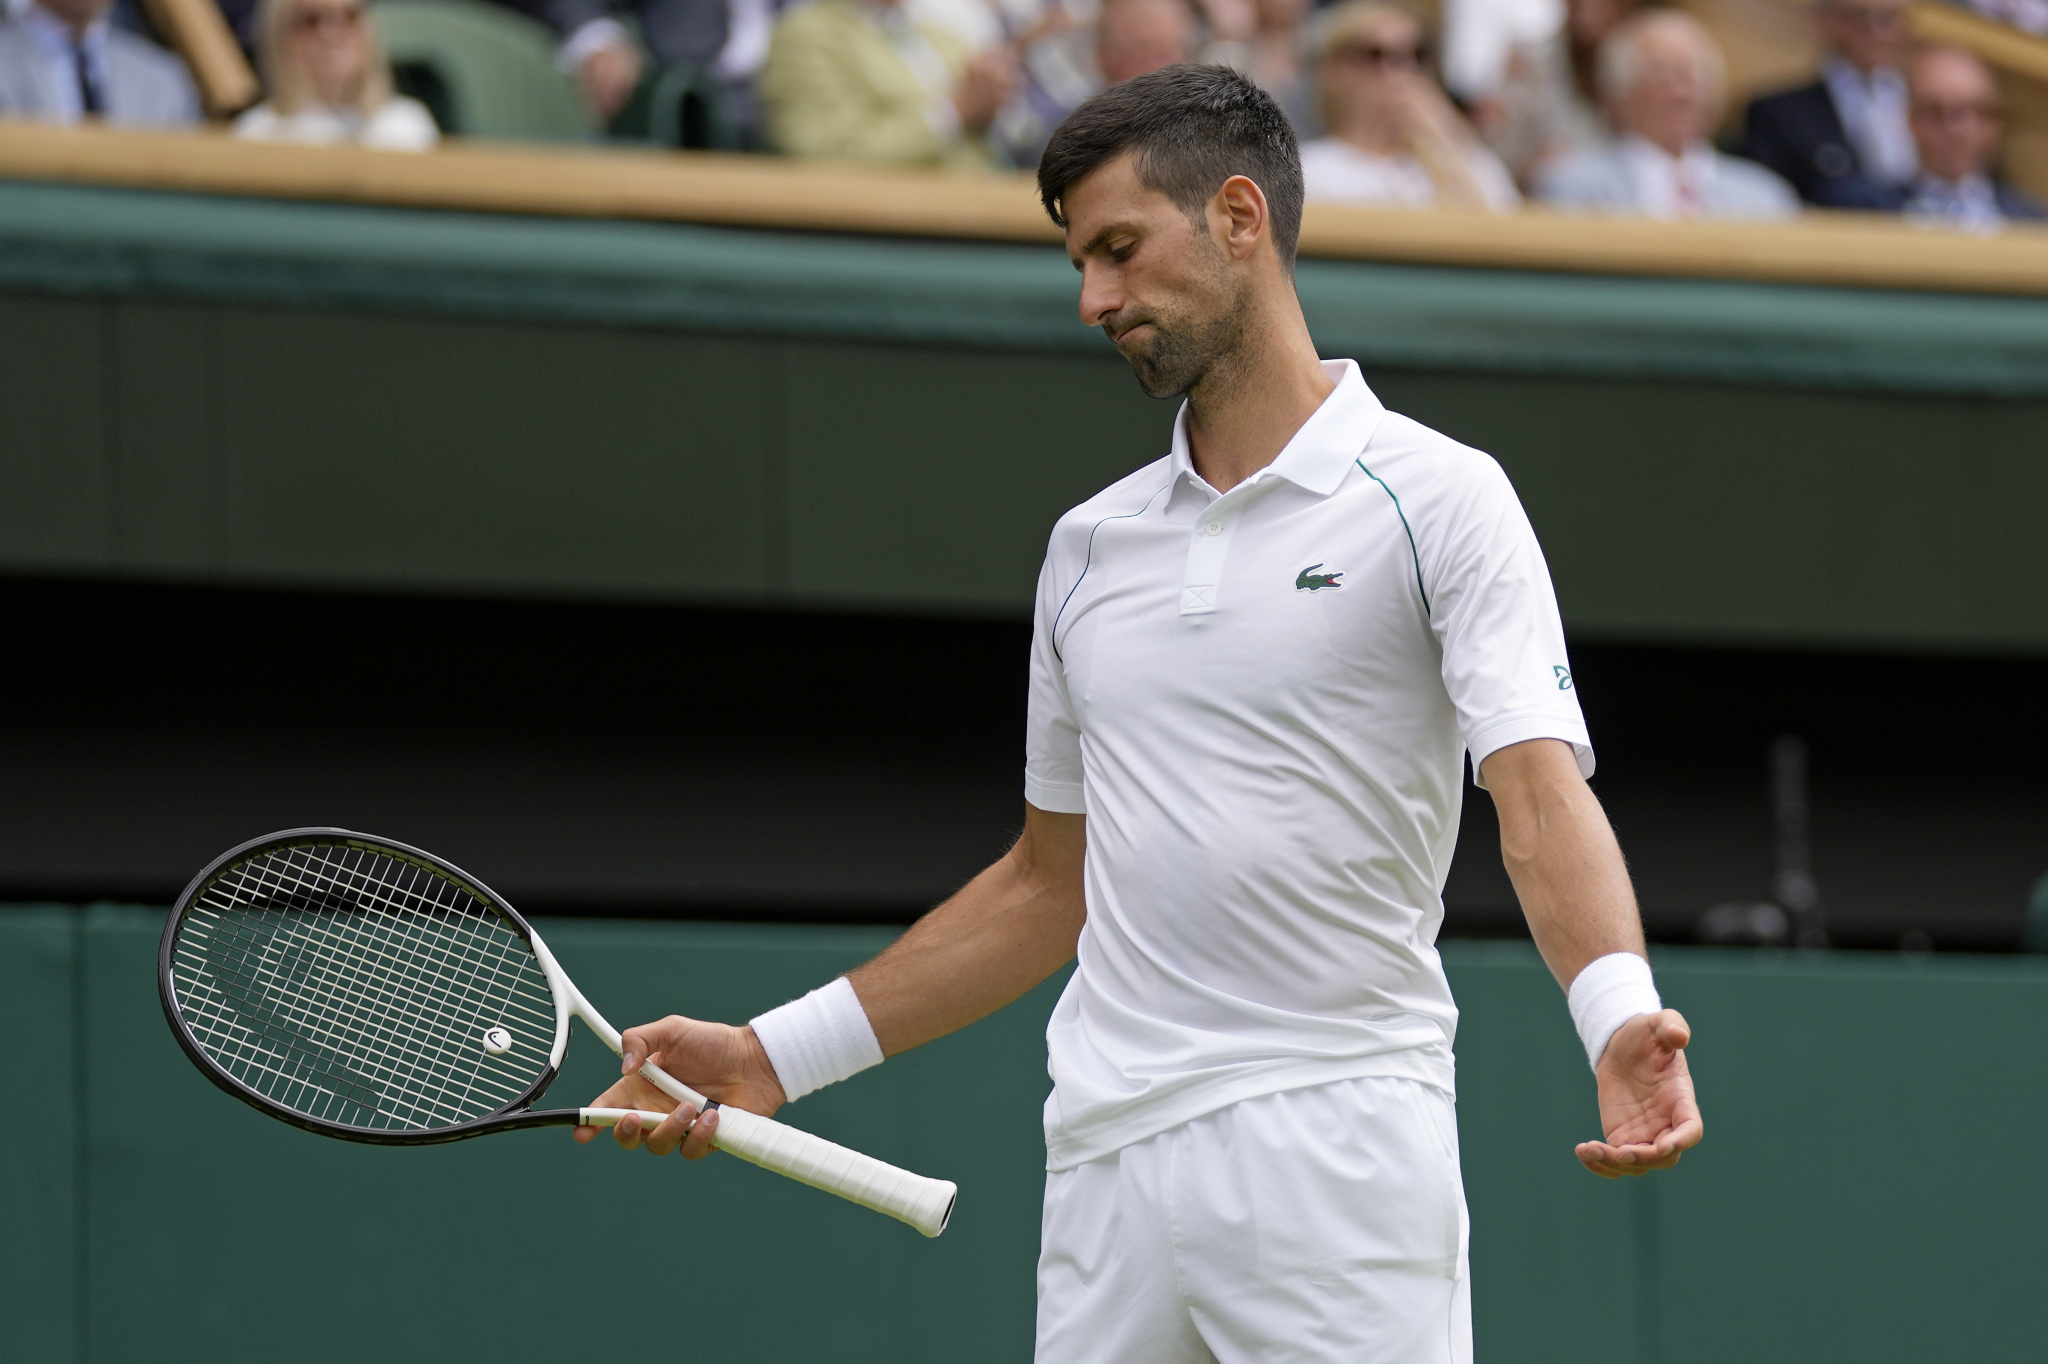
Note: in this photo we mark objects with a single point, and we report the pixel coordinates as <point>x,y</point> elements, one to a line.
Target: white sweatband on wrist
<point>1607,994</point>
<point>818,1040</point>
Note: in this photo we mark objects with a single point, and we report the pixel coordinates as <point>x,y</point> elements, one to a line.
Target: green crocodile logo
<point>1308,580</point>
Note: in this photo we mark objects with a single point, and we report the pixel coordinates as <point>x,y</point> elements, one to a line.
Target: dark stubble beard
<point>1186,346</point>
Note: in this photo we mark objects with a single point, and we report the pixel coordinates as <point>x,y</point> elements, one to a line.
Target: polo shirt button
<point>1213,528</point>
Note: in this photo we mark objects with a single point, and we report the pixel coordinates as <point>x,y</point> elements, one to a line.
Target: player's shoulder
<point>1418,462</point>
<point>1128,496</point>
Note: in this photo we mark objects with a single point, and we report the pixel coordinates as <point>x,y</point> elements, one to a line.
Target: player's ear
<point>1239,209</point>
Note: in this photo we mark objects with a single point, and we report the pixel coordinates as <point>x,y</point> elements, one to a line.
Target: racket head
<point>363,989</point>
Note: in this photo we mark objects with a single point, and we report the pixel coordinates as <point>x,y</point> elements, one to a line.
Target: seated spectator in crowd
<point>62,61</point>
<point>1064,61</point>
<point>1133,37</point>
<point>1956,124</point>
<point>327,81</point>
<point>858,80</point>
<point>2029,15</point>
<point>1843,141</point>
<point>725,41</point>
<point>1281,57</point>
<point>1395,138</point>
<point>1662,79</point>
<point>1547,103</point>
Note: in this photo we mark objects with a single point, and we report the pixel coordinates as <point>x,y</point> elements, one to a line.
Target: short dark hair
<point>1193,126</point>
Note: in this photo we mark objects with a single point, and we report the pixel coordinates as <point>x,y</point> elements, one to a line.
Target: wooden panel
<point>2001,45</point>
<point>1869,250</point>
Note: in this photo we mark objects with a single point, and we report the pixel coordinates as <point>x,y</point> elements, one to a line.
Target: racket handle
<point>926,1204</point>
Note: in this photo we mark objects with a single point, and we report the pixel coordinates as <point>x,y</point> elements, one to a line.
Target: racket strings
<point>316,961</point>
<point>357,988</point>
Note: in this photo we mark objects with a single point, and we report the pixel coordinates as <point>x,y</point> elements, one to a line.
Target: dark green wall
<point>305,446</point>
<point>331,448</point>
<point>1864,1192</point>
<point>235,390</point>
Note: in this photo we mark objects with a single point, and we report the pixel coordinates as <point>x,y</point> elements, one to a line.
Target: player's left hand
<point>1647,1108</point>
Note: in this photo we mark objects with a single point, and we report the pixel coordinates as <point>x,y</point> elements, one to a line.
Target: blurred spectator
<point>724,40</point>
<point>1281,58</point>
<point>1662,80</point>
<point>1477,37</point>
<point>61,61</point>
<point>2030,15</point>
<point>1133,37</point>
<point>1956,124</point>
<point>1547,105</point>
<point>1394,138</point>
<point>327,81</point>
<point>859,80</point>
<point>1065,60</point>
<point>1227,29</point>
<point>981,23</point>
<point>1843,141</point>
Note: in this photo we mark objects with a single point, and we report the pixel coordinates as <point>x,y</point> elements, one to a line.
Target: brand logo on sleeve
<point>1308,580</point>
<point>1563,676</point>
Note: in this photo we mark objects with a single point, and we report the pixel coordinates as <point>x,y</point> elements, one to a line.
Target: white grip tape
<point>924,1203</point>
<point>612,1117</point>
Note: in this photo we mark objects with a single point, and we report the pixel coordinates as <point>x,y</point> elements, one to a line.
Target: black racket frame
<point>512,1117</point>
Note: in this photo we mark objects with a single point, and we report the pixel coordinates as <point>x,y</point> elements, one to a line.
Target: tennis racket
<point>365,990</point>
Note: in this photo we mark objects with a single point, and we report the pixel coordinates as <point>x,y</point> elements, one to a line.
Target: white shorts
<point>1314,1226</point>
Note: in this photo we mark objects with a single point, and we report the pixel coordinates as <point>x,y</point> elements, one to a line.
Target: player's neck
<point>1248,406</point>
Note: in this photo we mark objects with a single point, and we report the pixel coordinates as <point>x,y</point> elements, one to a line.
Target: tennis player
<point>1260,663</point>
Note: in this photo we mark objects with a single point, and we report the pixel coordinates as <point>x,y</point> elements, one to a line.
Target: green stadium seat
<point>483,70</point>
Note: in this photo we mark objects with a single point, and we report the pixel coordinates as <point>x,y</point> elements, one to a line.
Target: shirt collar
<point>1321,452</point>
<point>54,35</point>
<point>1971,194</point>
<point>1841,75</point>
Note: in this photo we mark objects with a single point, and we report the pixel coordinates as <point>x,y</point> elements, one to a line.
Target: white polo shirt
<point>1262,701</point>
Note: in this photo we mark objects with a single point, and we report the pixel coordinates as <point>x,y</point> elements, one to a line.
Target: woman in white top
<point>1395,137</point>
<point>329,82</point>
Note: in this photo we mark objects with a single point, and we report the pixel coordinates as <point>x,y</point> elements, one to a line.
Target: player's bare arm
<point>1002,933</point>
<point>1568,873</point>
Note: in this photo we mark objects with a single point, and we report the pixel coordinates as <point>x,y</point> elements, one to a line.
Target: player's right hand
<point>719,1061</point>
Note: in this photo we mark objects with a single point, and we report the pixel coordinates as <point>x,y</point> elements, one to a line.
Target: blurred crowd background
<point>1734,109</point>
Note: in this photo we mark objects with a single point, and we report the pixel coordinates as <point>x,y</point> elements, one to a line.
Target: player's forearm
<point>1004,932</point>
<point>1561,855</point>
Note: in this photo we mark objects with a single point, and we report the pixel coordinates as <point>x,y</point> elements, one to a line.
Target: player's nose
<point>1099,296</point>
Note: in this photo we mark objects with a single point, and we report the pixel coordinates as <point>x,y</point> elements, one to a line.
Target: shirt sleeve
<point>1495,613</point>
<point>1052,735</point>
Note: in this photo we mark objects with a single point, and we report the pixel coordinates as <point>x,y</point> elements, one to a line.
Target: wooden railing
<point>1863,250</point>
<point>2001,45</point>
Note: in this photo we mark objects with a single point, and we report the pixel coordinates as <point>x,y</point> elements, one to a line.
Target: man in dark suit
<point>1843,141</point>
